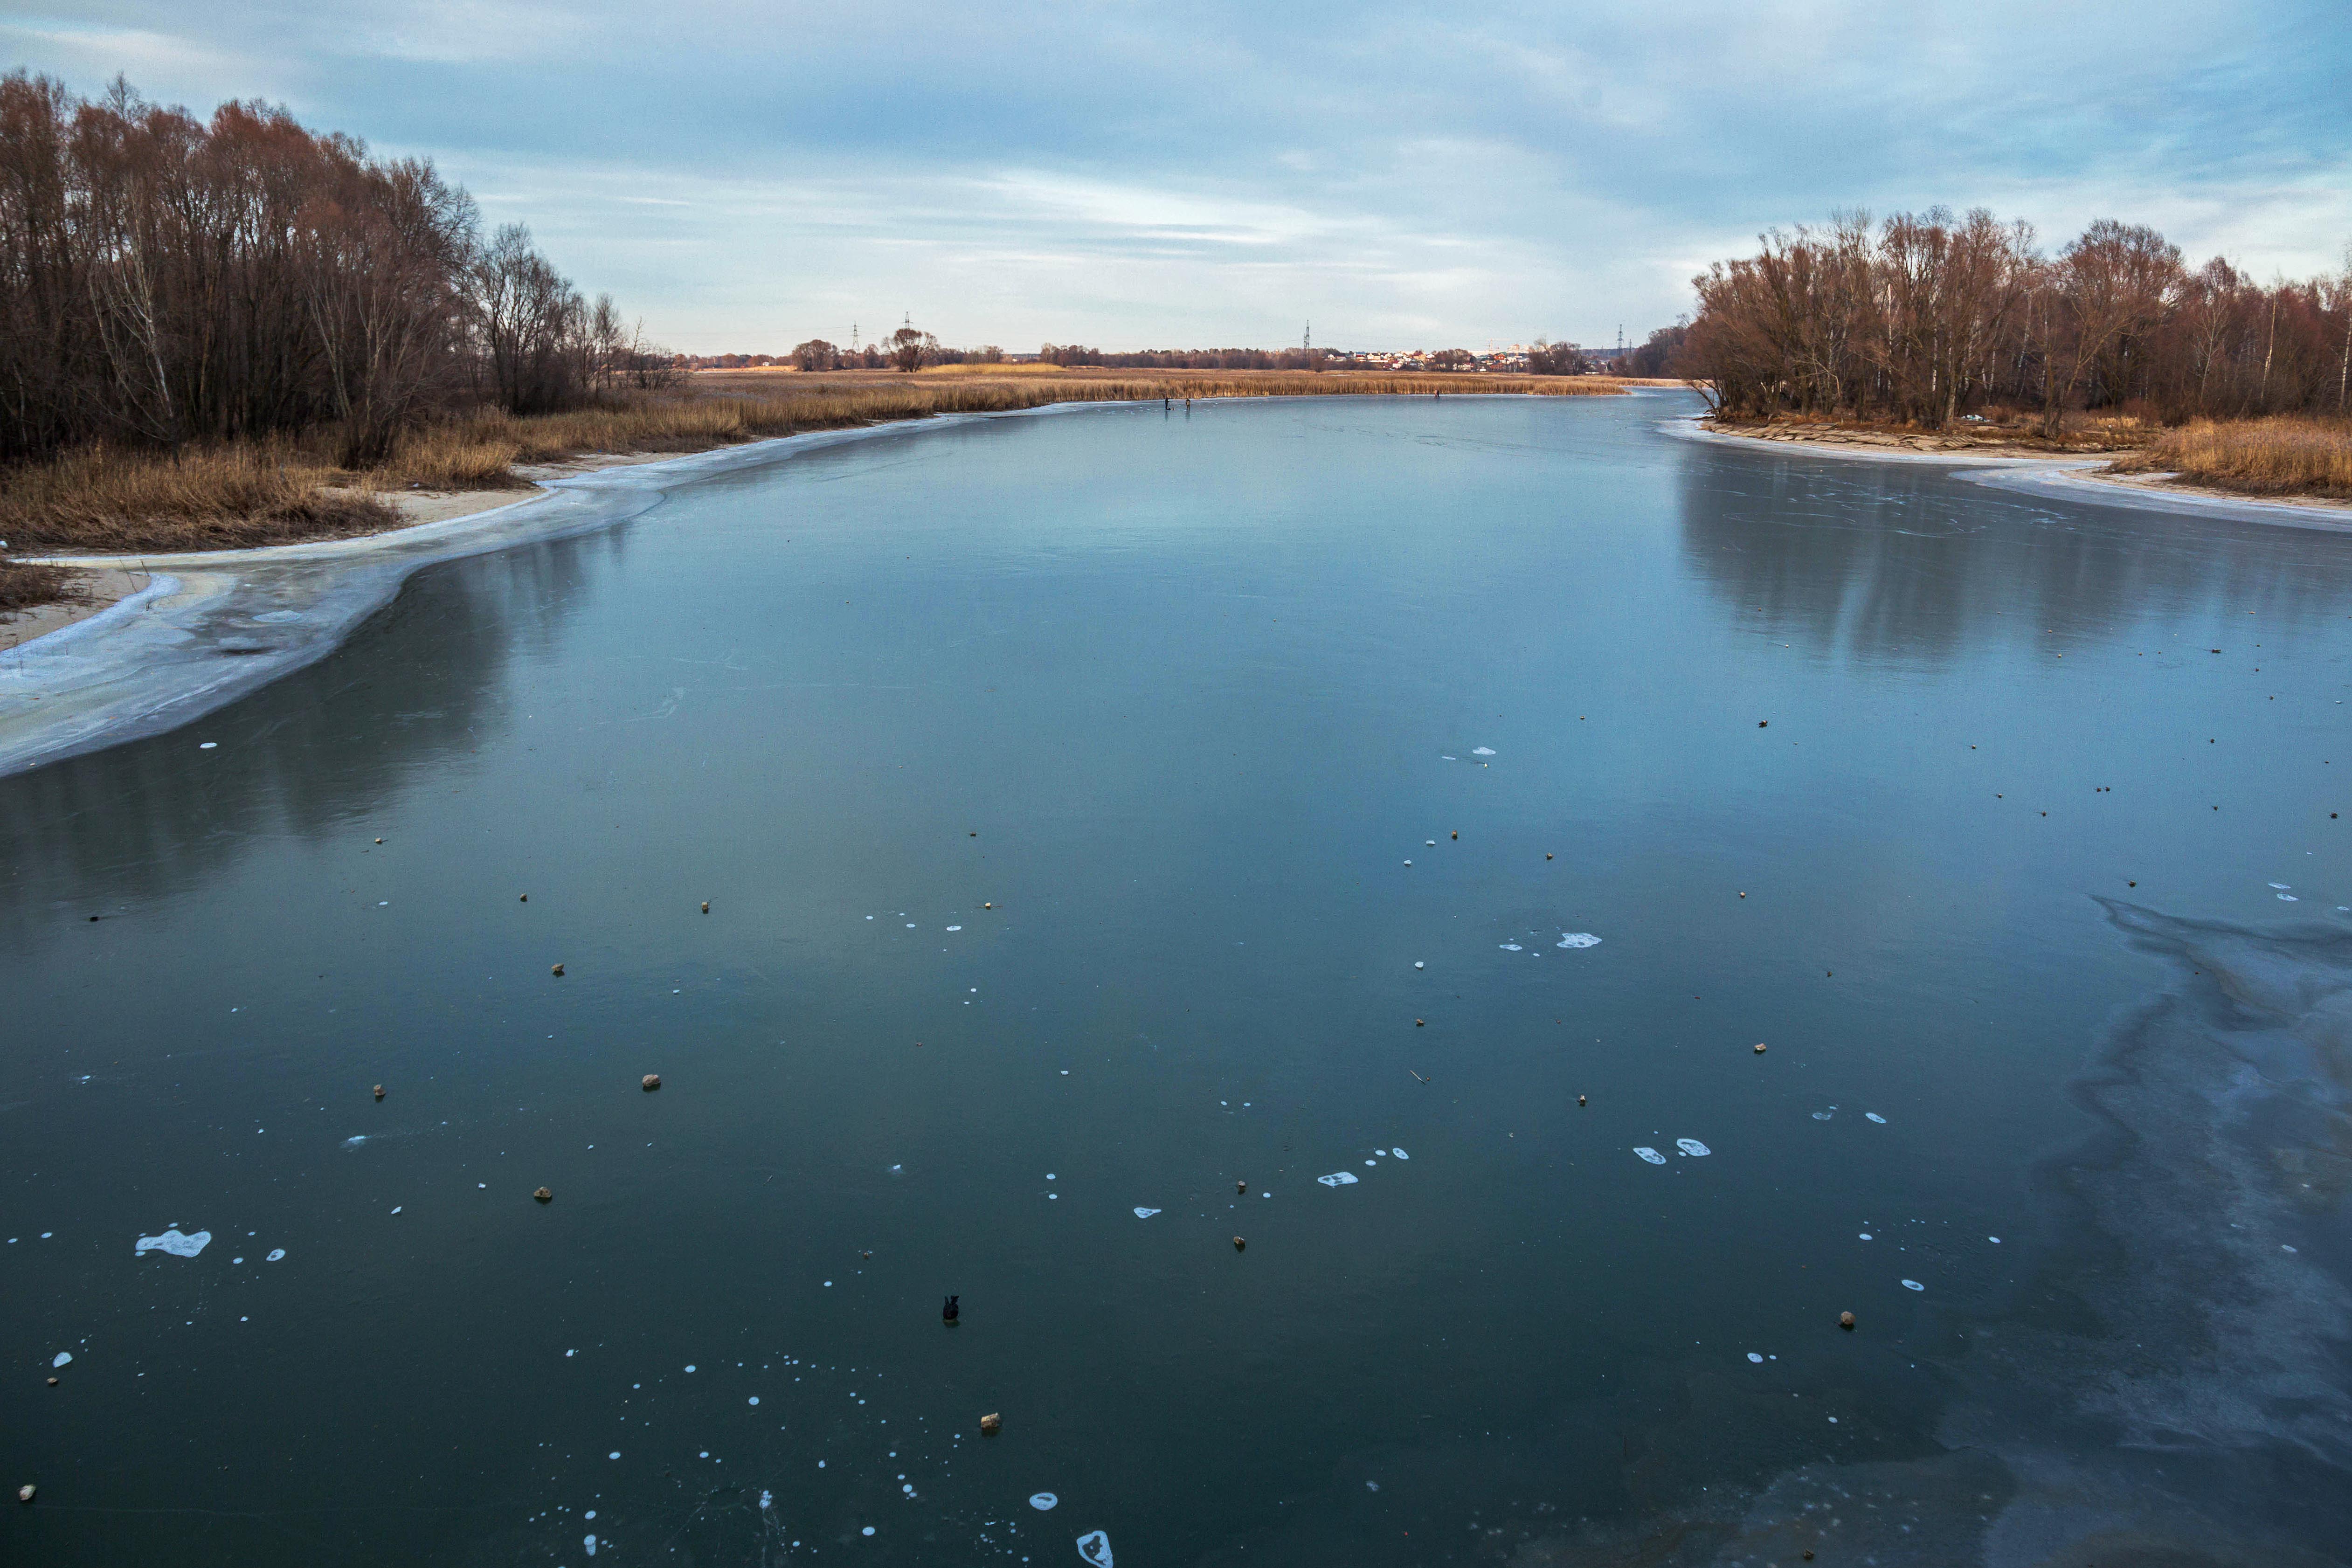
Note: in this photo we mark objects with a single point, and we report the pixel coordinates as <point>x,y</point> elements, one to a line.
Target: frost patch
<point>1482,751</point>
<point>1693,1146</point>
<point>1145,1213</point>
<point>1095,1547</point>
<point>1339,1178</point>
<point>1042,1500</point>
<point>1913,1285</point>
<point>275,1254</point>
<point>1400,1153</point>
<point>1577,939</point>
<point>172,1241</point>
<point>1652,1156</point>
<point>1874,1116</point>
<point>64,1358</point>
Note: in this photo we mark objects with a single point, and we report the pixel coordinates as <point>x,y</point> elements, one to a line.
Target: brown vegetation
<point>23,585</point>
<point>104,498</point>
<point>1925,318</point>
<point>2282,457</point>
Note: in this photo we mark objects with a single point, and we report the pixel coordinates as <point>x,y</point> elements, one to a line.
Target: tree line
<point>165,279</point>
<point>1926,318</point>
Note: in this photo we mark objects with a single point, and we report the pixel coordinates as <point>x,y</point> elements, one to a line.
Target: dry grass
<point>108,498</point>
<point>1998,429</point>
<point>2285,455</point>
<point>24,586</point>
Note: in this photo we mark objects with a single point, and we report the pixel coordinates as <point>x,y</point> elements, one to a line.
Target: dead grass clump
<point>459,455</point>
<point>2283,455</point>
<point>104,498</point>
<point>24,586</point>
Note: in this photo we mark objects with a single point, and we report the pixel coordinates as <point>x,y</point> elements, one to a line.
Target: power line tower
<point>853,334</point>
<point>1308,341</point>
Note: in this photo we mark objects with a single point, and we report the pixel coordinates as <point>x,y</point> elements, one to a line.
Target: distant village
<point>1539,358</point>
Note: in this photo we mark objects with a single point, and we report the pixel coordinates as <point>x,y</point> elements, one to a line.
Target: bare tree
<point>911,348</point>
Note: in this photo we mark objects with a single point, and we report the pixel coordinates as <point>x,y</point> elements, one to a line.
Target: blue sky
<point>1146,175</point>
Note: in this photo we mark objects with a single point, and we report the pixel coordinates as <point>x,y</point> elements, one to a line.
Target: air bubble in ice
<point>1577,939</point>
<point>590,1542</point>
<point>1756,1358</point>
<point>1400,1153</point>
<point>275,1254</point>
<point>1482,751</point>
<point>1652,1156</point>
<point>63,1357</point>
<point>1511,948</point>
<point>1692,1146</point>
<point>1145,1213</point>
<point>1337,1179</point>
<point>1913,1285</point>
<point>1095,1547</point>
<point>1042,1500</point>
<point>1874,1116</point>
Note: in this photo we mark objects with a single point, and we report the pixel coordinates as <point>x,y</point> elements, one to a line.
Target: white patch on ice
<point>1913,1285</point>
<point>1400,1153</point>
<point>1511,948</point>
<point>1448,759</point>
<point>1994,1240</point>
<point>207,745</point>
<point>614,1454</point>
<point>1339,1178</point>
<point>590,1542</point>
<point>755,1399</point>
<point>63,1357</point>
<point>1865,1236</point>
<point>1577,939</point>
<point>1652,1156</point>
<point>690,1366</point>
<point>1692,1146</point>
<point>277,617</point>
<point>275,1254</point>
<point>355,1140</point>
<point>1095,1547</point>
<point>1756,1358</point>
<point>867,1531</point>
<point>1042,1500</point>
<point>1482,751</point>
<point>172,1241</point>
<point>1821,1115</point>
<point>1874,1116</point>
<point>2289,898</point>
<point>1419,965</point>
<point>2282,887</point>
<point>955,928</point>
<point>1145,1213</point>
<point>767,1500</point>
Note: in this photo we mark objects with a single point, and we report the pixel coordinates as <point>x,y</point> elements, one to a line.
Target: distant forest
<point>1926,318</point>
<point>165,279</point>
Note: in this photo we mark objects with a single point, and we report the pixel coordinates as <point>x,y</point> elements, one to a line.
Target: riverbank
<point>289,490</point>
<point>189,633</point>
<point>2009,464</point>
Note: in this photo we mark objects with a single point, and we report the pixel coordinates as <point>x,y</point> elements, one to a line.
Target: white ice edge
<point>155,660</point>
<point>2064,476</point>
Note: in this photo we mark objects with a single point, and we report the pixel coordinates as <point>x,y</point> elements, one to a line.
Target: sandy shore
<point>191,633</point>
<point>2008,467</point>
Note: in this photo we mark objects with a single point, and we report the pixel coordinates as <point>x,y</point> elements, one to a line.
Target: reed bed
<point>2285,455</point>
<point>23,585</point>
<point>106,498</point>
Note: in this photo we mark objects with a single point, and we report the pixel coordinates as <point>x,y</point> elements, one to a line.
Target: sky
<point>1142,174</point>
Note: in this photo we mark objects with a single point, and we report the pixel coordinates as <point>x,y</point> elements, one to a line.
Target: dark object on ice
<point>948,1313</point>
<point>990,1423</point>
<point>1457,833</point>
<point>706,907</point>
<point>525,899</point>
<point>1548,857</point>
<point>379,1090</point>
<point>652,1082</point>
<point>53,1383</point>
<point>1845,1321</point>
<point>1759,1048</point>
<point>1762,723</point>
<point>1239,1244</point>
<point>1240,1186</point>
<point>544,1196</point>
<point>1418,1024</point>
<point>557,971</point>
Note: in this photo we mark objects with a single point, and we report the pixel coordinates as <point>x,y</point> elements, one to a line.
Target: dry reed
<point>2284,455</point>
<point>110,498</point>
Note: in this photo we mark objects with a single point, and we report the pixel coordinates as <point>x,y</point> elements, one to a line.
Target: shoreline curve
<point>216,625</point>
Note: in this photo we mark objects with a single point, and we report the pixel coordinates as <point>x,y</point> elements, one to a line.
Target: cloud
<point>744,174</point>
